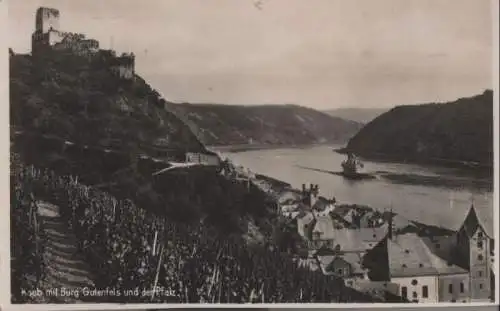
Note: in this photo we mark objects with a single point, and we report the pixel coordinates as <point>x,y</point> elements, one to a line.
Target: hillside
<point>115,208</point>
<point>361,115</point>
<point>273,125</point>
<point>79,100</point>
<point>457,131</point>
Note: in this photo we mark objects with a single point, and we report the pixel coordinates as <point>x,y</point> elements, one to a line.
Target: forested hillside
<point>273,125</point>
<point>457,131</point>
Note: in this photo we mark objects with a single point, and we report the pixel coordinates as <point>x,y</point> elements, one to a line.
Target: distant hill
<point>362,115</point>
<point>272,125</point>
<point>457,131</point>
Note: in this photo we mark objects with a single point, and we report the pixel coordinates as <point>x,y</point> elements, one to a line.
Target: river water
<point>432,195</point>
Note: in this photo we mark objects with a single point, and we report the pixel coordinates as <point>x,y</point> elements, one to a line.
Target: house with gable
<point>347,265</point>
<point>448,268</point>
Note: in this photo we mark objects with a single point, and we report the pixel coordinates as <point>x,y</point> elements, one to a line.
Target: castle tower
<point>473,241</point>
<point>46,19</point>
<point>46,32</point>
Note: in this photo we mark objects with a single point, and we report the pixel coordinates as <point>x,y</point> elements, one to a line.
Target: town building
<point>422,274</point>
<point>208,159</point>
<point>323,207</point>
<point>355,240</point>
<point>475,240</point>
<point>438,268</point>
<point>288,196</point>
<point>347,265</point>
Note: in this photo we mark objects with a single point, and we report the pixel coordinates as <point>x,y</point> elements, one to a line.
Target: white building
<point>421,274</point>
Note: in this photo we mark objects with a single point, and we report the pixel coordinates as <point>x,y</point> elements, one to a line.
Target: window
<point>462,287</point>
<point>453,300</point>
<point>404,292</point>
<point>425,291</point>
<point>480,257</point>
<point>414,282</point>
<point>415,295</point>
<point>340,271</point>
<point>450,288</point>
<point>480,286</point>
<point>480,244</point>
<point>479,235</point>
<point>480,273</point>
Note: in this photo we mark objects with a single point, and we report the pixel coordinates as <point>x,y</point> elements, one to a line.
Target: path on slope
<point>65,264</point>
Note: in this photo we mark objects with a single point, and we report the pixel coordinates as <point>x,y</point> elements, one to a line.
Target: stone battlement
<point>48,36</point>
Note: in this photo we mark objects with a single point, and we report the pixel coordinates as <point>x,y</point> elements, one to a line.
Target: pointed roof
<point>472,222</point>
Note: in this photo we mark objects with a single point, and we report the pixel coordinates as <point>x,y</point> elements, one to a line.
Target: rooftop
<point>351,240</point>
<point>324,225</point>
<point>353,259</point>
<point>412,255</point>
<point>288,197</point>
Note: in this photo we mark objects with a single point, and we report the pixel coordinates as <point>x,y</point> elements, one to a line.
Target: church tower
<point>473,241</point>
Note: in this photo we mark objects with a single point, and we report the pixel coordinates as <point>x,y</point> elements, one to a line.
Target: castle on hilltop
<point>48,37</point>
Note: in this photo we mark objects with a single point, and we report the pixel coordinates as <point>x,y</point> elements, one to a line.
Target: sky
<point>323,54</point>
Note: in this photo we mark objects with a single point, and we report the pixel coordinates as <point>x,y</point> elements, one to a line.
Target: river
<point>429,194</point>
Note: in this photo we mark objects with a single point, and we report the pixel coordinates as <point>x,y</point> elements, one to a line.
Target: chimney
<point>303,189</point>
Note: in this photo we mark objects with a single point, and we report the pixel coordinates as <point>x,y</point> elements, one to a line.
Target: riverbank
<point>250,147</point>
<point>277,189</point>
<point>485,168</point>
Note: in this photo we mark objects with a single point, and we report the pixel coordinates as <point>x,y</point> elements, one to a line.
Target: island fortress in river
<point>389,254</point>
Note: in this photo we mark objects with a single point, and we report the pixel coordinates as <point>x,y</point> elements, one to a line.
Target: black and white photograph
<point>253,151</point>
